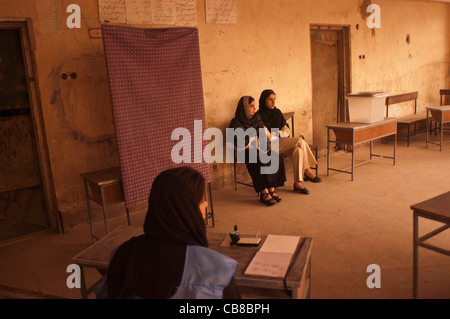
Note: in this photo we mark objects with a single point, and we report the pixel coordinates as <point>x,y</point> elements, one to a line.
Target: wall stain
<point>365,14</point>
<point>57,100</point>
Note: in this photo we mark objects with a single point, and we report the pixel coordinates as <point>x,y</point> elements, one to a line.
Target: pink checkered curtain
<point>156,86</point>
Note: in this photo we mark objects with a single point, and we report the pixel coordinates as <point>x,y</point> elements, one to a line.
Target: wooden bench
<point>408,120</point>
<point>442,93</point>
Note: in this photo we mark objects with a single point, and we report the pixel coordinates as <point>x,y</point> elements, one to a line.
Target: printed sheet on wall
<point>156,87</point>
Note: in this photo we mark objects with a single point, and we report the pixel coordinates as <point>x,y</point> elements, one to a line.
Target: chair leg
<point>208,198</point>
<point>409,130</point>
<point>235,184</point>
<point>317,160</point>
<point>315,150</point>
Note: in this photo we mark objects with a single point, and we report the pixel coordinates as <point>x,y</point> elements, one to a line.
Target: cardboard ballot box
<point>367,107</point>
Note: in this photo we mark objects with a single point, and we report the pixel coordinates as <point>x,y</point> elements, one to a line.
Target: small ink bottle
<point>236,233</point>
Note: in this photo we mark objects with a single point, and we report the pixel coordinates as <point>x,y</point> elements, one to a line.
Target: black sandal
<point>267,202</point>
<point>303,190</point>
<point>276,197</point>
<point>316,179</point>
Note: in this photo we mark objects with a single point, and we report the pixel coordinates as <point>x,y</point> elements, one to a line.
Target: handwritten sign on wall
<point>221,11</point>
<point>186,11</point>
<point>139,11</point>
<point>169,12</point>
<point>112,11</point>
<point>164,11</point>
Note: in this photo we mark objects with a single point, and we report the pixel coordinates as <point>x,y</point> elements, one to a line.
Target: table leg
<point>308,275</point>
<point>442,129</point>
<point>294,293</point>
<point>83,290</point>
<point>353,157</point>
<point>371,149</point>
<point>89,209</point>
<point>428,128</point>
<point>395,147</point>
<point>234,169</point>
<point>210,204</point>
<point>328,151</point>
<point>128,216</point>
<point>292,121</point>
<point>415,253</point>
<point>409,130</point>
<point>103,207</point>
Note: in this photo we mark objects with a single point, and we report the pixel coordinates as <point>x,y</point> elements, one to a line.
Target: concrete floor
<point>353,224</point>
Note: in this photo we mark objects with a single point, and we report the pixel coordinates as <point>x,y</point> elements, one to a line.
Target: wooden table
<point>441,115</point>
<point>104,187</point>
<point>297,282</point>
<point>437,209</point>
<point>351,133</point>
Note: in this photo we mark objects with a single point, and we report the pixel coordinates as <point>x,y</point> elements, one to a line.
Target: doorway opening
<point>331,79</point>
<point>26,198</point>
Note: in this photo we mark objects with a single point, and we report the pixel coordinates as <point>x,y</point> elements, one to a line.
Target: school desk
<point>296,283</point>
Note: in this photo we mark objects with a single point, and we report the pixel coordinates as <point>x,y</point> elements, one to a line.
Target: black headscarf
<point>272,118</point>
<point>173,221</point>
<point>240,117</point>
<point>173,214</point>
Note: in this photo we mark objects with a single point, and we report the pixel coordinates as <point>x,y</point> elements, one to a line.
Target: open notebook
<point>274,257</point>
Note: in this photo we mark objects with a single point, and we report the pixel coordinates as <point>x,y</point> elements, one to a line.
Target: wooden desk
<point>437,209</point>
<point>351,133</point>
<point>441,115</point>
<point>297,281</point>
<point>104,187</point>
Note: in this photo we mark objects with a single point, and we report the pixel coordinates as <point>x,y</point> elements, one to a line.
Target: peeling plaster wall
<point>269,47</point>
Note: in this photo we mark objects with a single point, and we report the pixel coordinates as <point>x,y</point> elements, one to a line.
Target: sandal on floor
<point>316,179</point>
<point>303,190</point>
<point>276,197</point>
<point>267,202</point>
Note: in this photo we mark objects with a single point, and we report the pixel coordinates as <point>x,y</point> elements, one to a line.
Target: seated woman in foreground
<point>265,184</point>
<point>294,147</point>
<point>164,262</point>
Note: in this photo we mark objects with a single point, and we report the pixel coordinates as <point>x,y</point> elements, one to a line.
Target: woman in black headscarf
<point>264,184</point>
<point>171,258</point>
<point>294,147</point>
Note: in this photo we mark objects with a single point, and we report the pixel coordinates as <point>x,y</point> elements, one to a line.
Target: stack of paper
<point>274,257</point>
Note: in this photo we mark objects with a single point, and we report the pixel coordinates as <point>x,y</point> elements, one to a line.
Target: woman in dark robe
<point>294,147</point>
<point>171,258</point>
<point>265,184</point>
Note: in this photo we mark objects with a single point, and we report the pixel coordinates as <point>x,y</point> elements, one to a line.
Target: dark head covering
<point>173,210</point>
<point>272,118</point>
<point>173,221</point>
<point>240,117</point>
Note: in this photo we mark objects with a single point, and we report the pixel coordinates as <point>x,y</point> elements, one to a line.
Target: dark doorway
<point>23,203</point>
<point>330,63</point>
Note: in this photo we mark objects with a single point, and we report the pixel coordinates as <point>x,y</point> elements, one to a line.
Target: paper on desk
<point>269,265</point>
<point>280,244</point>
<point>274,257</point>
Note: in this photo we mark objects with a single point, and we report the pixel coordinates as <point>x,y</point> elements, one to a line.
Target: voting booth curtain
<point>156,87</point>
